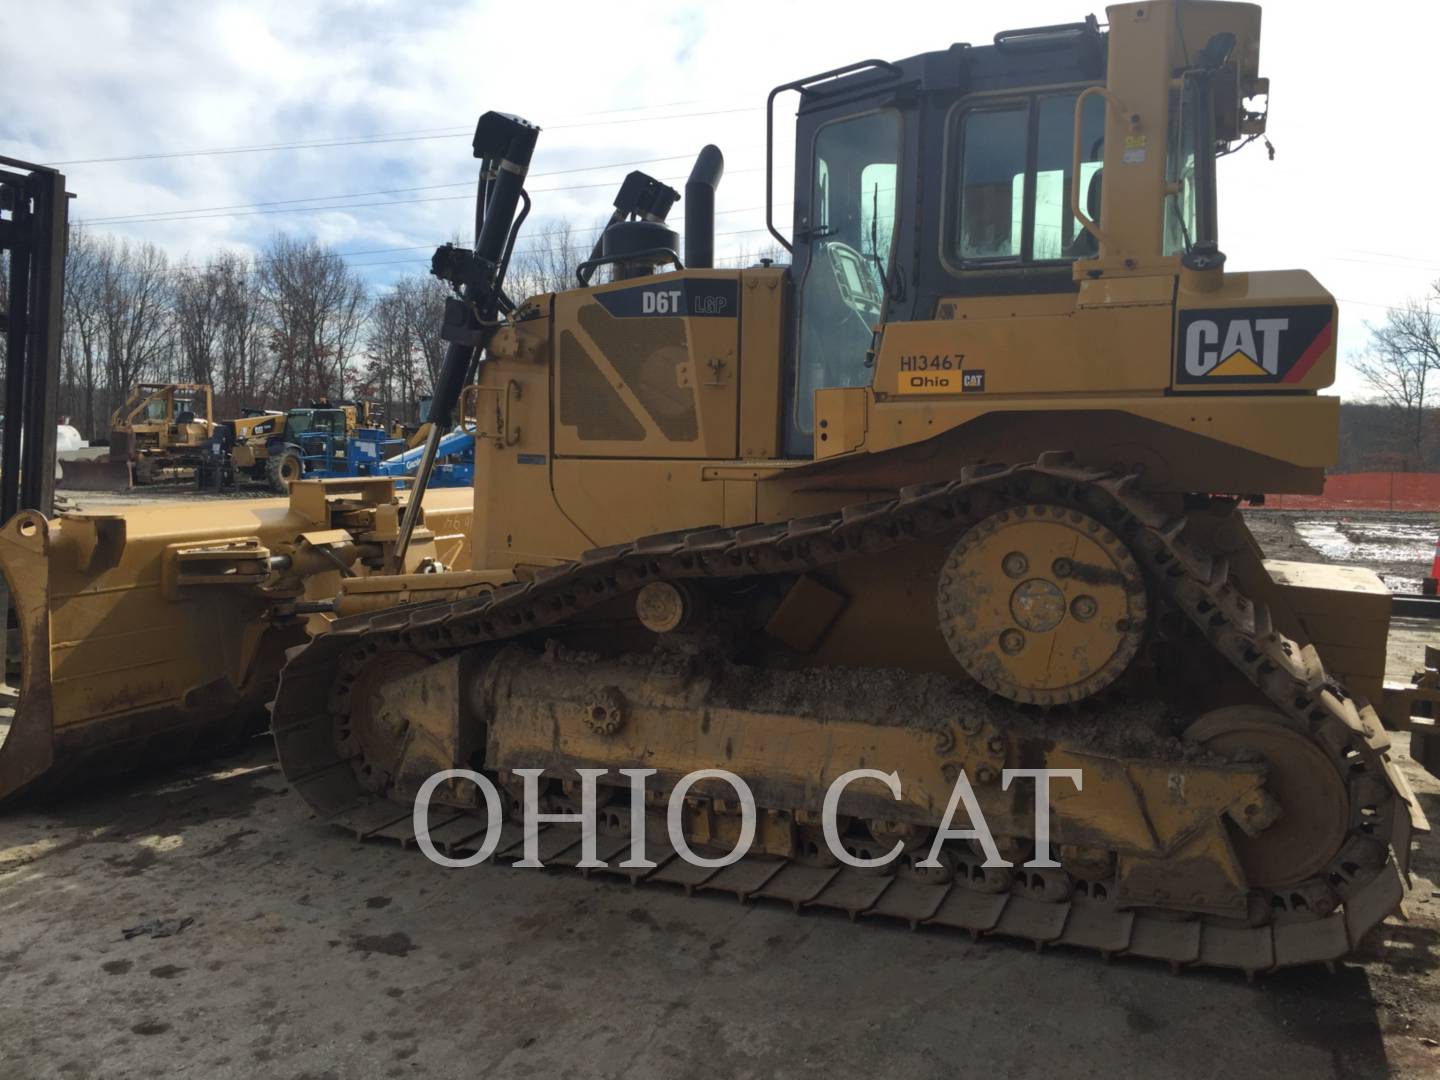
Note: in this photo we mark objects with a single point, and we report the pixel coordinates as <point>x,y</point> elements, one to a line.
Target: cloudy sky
<point>367,110</point>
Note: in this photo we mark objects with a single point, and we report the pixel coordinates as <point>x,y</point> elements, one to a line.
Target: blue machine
<point>324,454</point>
<point>324,451</point>
<point>454,462</point>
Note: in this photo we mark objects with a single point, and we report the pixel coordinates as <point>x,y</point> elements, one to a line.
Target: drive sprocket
<point>1042,604</point>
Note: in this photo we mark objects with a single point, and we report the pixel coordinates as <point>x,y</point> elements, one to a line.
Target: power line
<point>580,234</point>
<point>1387,262</point>
<point>1393,255</point>
<point>364,140</point>
<point>532,250</point>
<point>355,206</point>
<point>178,214</point>
<point>587,232</point>
<point>647,119</point>
<point>1367,303</point>
<point>346,140</point>
<point>382,139</point>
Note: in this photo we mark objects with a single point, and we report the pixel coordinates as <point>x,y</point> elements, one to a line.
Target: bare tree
<point>218,329</point>
<point>197,320</point>
<point>132,295</point>
<point>389,362</point>
<point>80,343</point>
<point>403,349</point>
<point>422,299</point>
<point>316,308</point>
<point>1401,365</point>
<point>241,334</point>
<point>545,261</point>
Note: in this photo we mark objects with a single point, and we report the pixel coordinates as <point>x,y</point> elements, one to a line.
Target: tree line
<point>287,325</point>
<point>294,322</point>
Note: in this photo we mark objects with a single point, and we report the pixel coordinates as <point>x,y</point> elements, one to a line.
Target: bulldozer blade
<point>95,474</point>
<point>155,633</point>
<point>112,677</point>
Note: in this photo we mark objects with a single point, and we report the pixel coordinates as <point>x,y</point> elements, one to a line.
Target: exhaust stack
<point>700,207</point>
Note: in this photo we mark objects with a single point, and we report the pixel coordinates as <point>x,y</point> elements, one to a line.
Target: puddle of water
<point>1370,543</point>
<point>1326,539</point>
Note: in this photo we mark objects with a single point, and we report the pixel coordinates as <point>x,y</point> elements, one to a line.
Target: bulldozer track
<point>1360,887</point>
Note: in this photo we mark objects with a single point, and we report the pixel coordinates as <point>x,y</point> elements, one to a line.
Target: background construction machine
<point>251,422</point>
<point>272,451</point>
<point>158,427</point>
<point>955,492</point>
<point>323,441</point>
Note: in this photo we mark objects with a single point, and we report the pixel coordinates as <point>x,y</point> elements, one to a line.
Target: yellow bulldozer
<point>953,496</point>
<point>157,428</point>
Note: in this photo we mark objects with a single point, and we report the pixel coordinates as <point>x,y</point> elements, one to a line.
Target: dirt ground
<point>297,952</point>
<point>272,945</point>
<point>1398,546</point>
<point>164,491</point>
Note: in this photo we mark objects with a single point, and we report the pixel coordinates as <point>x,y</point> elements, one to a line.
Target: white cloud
<point>1347,196</point>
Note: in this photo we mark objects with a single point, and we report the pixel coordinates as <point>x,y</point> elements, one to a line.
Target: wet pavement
<point>1399,546</point>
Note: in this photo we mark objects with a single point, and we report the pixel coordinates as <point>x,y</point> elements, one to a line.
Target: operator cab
<point>313,421</point>
<point>948,176</point>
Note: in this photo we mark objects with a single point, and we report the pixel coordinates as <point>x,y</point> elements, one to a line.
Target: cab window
<point>331,423</point>
<point>1181,206</point>
<point>1013,179</point>
<point>296,424</point>
<point>850,238</point>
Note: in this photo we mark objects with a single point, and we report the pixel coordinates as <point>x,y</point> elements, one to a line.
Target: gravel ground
<point>166,491</point>
<point>297,952</point>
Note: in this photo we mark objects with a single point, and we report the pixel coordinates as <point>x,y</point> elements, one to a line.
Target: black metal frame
<point>952,185</point>
<point>659,254</point>
<point>808,83</point>
<point>34,213</point>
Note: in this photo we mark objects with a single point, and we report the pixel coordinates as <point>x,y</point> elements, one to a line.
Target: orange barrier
<point>1368,491</point>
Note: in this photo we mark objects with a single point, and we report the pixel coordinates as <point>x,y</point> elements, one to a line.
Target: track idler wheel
<point>372,737</point>
<point>1311,818</point>
<point>1042,604</point>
